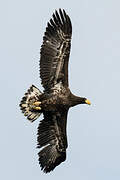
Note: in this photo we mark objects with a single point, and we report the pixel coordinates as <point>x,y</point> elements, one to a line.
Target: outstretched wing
<point>55,51</point>
<point>52,137</point>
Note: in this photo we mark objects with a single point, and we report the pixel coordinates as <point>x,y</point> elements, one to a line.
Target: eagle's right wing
<point>55,51</point>
<point>52,139</point>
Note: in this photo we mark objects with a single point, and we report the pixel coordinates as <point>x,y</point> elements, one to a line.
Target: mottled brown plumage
<point>57,98</point>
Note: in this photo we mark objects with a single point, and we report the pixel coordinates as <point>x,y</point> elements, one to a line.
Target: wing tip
<point>47,161</point>
<point>62,20</point>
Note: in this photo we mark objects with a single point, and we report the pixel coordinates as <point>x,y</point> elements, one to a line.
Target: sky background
<point>94,72</point>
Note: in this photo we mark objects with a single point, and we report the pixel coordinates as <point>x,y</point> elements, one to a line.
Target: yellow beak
<point>87,102</point>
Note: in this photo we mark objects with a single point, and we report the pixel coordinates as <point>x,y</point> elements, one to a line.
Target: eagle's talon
<point>37,108</point>
<point>37,103</point>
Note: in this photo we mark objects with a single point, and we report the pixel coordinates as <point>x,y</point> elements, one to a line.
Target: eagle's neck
<point>75,100</point>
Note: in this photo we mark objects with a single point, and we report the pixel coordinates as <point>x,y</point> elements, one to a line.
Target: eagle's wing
<point>53,140</point>
<point>55,51</point>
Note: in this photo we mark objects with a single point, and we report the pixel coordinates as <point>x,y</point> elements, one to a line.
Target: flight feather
<point>55,51</point>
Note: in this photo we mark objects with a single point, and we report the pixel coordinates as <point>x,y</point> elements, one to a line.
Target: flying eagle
<point>57,98</point>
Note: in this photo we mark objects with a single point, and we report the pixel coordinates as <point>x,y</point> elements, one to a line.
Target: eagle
<point>56,99</point>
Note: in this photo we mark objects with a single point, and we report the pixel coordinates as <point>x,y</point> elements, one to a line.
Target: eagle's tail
<point>30,103</point>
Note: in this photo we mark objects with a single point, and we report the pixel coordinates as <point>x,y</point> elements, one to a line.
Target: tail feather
<point>26,104</point>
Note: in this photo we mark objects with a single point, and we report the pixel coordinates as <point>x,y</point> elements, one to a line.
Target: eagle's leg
<point>36,105</point>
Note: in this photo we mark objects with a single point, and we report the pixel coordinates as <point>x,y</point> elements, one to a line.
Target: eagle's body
<point>57,98</point>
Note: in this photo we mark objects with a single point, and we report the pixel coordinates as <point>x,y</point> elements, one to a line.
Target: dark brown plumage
<point>57,98</point>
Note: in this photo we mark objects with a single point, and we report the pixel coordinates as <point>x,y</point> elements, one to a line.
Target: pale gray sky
<point>93,131</point>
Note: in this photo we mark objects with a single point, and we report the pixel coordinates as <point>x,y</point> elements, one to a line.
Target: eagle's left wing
<point>53,140</point>
<point>55,51</point>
